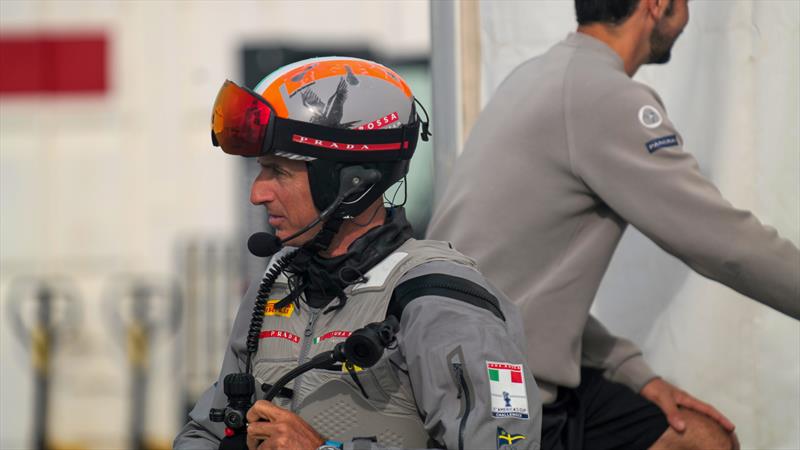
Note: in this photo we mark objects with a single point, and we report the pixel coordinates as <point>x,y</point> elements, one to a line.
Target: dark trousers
<point>600,415</point>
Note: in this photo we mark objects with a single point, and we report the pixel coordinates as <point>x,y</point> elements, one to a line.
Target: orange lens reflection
<point>239,120</point>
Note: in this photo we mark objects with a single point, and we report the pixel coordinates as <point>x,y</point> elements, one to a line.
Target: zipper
<point>463,391</point>
<point>305,348</point>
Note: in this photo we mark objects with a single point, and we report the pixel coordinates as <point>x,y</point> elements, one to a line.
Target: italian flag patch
<point>507,388</point>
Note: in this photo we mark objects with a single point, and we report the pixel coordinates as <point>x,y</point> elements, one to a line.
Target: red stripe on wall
<point>53,63</point>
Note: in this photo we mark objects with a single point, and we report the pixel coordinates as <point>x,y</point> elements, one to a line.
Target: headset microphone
<point>263,244</point>
<point>352,180</point>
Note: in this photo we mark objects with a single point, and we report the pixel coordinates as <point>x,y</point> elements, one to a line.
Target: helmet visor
<point>240,120</point>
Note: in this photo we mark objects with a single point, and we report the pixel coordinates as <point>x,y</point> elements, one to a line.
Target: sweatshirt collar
<point>585,42</point>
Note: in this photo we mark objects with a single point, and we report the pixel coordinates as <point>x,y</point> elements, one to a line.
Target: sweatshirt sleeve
<point>628,152</point>
<point>196,434</point>
<point>619,358</point>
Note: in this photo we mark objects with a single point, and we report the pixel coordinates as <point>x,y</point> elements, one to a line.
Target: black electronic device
<point>239,388</point>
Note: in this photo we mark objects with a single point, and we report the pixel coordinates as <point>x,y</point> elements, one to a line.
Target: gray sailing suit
<point>567,153</point>
<point>446,383</point>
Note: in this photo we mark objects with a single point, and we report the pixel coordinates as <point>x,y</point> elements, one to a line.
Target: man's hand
<point>282,430</point>
<point>669,398</point>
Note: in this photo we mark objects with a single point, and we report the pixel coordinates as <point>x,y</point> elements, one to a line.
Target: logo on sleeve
<point>650,117</point>
<point>505,440</point>
<point>507,389</point>
<point>666,141</point>
<point>285,311</point>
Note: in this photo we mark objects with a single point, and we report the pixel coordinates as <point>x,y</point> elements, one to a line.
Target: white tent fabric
<point>733,90</point>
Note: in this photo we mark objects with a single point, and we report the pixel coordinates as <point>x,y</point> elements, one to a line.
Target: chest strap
<point>444,286</point>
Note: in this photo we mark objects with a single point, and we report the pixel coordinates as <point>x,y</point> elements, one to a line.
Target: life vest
<point>330,400</point>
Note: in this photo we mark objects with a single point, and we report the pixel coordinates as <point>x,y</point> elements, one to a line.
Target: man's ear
<point>656,8</point>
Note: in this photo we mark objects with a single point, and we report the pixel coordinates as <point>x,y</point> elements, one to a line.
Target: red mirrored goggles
<point>240,120</point>
<point>244,123</point>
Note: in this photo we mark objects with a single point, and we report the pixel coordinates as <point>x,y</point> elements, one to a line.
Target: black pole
<point>41,339</point>
<point>138,352</point>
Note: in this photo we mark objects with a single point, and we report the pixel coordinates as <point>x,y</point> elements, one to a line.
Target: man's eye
<point>274,170</point>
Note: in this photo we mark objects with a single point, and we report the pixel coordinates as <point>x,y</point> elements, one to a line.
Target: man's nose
<point>261,191</point>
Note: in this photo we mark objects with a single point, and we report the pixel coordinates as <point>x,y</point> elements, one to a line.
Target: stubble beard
<point>660,40</point>
<point>660,46</point>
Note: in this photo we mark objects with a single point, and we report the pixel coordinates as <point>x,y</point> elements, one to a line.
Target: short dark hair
<point>605,11</point>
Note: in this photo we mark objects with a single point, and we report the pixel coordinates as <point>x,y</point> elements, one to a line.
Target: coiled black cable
<point>264,289</point>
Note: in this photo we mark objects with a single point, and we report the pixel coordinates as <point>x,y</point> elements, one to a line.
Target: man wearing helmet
<point>331,135</point>
<point>591,150</point>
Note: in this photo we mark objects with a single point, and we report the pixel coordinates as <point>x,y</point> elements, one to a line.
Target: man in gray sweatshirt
<point>583,151</point>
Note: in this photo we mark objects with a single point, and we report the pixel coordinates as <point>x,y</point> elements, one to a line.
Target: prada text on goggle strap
<point>244,123</point>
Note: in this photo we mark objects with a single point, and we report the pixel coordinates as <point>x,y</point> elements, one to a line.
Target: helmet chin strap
<point>302,257</point>
<point>352,179</point>
<point>323,239</point>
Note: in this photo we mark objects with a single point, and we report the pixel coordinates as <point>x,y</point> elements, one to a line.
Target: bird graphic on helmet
<point>328,114</point>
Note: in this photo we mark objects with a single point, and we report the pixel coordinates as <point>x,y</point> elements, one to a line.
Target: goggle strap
<point>346,145</point>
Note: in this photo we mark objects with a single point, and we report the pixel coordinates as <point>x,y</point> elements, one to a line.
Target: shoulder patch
<point>650,117</point>
<point>662,142</point>
<point>507,390</point>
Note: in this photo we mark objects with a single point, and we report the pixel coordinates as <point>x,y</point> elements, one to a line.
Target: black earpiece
<point>355,179</point>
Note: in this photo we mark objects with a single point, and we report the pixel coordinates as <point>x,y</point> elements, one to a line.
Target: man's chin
<point>296,242</point>
<point>661,47</point>
<point>661,58</point>
<point>283,235</point>
<point>299,241</point>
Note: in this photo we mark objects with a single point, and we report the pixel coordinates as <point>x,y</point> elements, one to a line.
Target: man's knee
<point>701,433</point>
